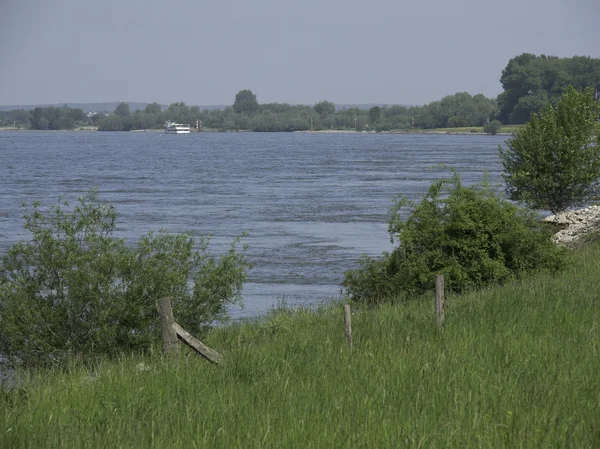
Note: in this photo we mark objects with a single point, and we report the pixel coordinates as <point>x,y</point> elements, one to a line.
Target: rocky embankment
<point>574,225</point>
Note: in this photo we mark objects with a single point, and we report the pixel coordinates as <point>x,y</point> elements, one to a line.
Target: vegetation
<point>470,234</point>
<point>49,118</point>
<point>553,162</point>
<point>492,127</point>
<point>513,367</point>
<point>530,82</point>
<point>460,109</point>
<point>245,102</point>
<point>74,290</point>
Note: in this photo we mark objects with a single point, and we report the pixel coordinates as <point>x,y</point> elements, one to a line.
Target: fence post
<point>439,300</point>
<point>348,324</point>
<point>169,336</point>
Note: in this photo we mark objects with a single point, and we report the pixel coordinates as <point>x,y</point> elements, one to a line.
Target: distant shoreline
<point>322,131</point>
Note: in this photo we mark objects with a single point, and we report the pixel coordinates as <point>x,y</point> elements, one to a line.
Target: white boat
<point>176,128</point>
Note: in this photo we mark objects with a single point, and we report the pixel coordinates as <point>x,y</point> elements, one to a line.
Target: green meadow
<point>515,366</point>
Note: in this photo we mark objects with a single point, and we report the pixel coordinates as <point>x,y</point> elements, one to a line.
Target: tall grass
<point>515,366</point>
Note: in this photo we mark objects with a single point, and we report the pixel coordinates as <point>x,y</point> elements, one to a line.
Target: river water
<point>312,203</point>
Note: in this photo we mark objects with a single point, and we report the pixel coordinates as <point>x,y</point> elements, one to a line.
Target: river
<point>312,203</point>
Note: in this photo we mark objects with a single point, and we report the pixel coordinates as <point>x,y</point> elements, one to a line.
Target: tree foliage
<point>375,114</point>
<point>460,109</point>
<point>553,162</point>
<point>76,290</point>
<point>56,118</point>
<point>245,102</point>
<point>123,110</point>
<point>531,81</point>
<point>325,108</point>
<point>470,234</point>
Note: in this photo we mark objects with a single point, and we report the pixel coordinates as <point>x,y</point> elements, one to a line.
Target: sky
<point>299,52</point>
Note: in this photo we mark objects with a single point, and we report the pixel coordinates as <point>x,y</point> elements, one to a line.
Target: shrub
<point>74,289</point>
<point>470,234</point>
<point>492,127</point>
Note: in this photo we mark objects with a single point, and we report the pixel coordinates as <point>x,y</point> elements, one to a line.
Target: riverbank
<point>515,366</point>
<point>505,130</point>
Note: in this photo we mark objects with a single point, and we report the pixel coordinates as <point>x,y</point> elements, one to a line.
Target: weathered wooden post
<point>169,335</point>
<point>439,300</point>
<point>348,324</point>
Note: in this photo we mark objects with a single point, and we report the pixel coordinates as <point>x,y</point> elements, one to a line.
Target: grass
<point>515,366</point>
<point>505,129</point>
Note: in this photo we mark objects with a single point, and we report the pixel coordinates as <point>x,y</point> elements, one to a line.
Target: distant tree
<point>375,114</point>
<point>152,108</point>
<point>457,121</point>
<point>21,117</point>
<point>43,124</point>
<point>64,122</point>
<point>245,102</point>
<point>531,81</point>
<point>96,118</point>
<point>324,108</point>
<point>553,162</point>
<point>122,110</point>
<point>111,123</point>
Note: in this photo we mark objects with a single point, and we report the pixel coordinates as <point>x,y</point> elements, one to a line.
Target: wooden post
<point>209,354</point>
<point>439,300</point>
<point>169,336</point>
<point>348,324</point>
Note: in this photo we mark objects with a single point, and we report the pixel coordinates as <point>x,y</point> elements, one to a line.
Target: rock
<point>576,224</point>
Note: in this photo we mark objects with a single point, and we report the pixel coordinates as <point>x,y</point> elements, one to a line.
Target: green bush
<point>75,290</point>
<point>492,127</point>
<point>470,234</point>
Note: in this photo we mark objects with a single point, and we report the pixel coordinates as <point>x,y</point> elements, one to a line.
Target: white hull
<point>176,128</point>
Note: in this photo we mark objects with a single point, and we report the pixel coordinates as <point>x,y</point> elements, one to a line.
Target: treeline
<point>247,114</point>
<point>531,81</point>
<point>48,118</point>
<point>151,117</point>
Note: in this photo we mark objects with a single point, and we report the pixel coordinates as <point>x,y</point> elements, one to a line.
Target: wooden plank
<point>439,300</point>
<point>169,337</point>
<point>209,354</point>
<point>348,324</point>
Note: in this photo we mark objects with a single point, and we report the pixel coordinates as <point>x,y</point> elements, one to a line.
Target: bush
<point>75,290</point>
<point>470,234</point>
<point>492,127</point>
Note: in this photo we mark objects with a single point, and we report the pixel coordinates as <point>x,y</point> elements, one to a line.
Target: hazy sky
<point>203,52</point>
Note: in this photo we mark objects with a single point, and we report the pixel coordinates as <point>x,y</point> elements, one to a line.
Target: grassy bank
<point>505,129</point>
<point>515,366</point>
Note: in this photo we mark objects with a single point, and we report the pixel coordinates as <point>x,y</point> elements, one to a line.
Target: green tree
<point>324,108</point>
<point>122,110</point>
<point>375,114</point>
<point>531,81</point>
<point>553,162</point>
<point>152,108</point>
<point>245,102</point>
<point>21,117</point>
<point>43,123</point>
<point>74,290</point>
